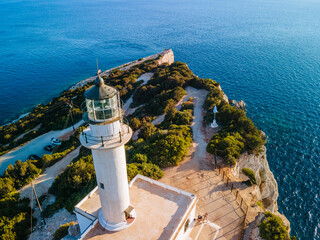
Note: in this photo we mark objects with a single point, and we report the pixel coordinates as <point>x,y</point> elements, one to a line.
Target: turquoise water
<point>265,52</point>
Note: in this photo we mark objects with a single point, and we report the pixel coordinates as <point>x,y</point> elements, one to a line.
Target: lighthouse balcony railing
<point>104,139</point>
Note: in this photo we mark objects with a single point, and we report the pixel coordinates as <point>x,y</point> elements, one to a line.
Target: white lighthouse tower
<point>106,136</point>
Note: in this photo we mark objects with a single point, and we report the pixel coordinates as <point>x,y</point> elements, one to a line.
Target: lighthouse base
<point>114,227</point>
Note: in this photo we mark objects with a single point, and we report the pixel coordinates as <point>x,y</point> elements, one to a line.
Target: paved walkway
<point>35,146</point>
<point>197,176</point>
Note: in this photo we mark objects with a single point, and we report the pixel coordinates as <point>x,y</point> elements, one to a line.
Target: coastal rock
<point>167,57</point>
<point>240,105</point>
<point>268,186</point>
<point>225,97</point>
<point>252,232</point>
<point>264,136</point>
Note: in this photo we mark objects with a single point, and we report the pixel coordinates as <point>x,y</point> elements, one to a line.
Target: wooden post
<point>35,194</point>
<point>227,181</point>
<point>241,202</point>
<point>231,187</point>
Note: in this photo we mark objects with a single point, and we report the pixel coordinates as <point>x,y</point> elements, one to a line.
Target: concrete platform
<point>161,212</point>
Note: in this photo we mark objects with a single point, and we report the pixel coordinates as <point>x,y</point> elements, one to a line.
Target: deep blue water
<point>266,52</point>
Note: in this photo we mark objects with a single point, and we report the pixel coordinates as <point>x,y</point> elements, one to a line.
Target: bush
<point>146,169</point>
<point>250,174</point>
<point>72,185</point>
<point>6,186</point>
<point>147,130</point>
<point>135,123</point>
<point>15,217</point>
<point>22,173</point>
<point>273,228</point>
<point>170,148</point>
<point>62,231</point>
<point>229,147</point>
<point>139,158</point>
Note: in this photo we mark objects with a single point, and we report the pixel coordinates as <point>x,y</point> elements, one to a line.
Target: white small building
<point>144,208</point>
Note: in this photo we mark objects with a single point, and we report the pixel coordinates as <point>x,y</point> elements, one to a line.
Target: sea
<point>264,52</point>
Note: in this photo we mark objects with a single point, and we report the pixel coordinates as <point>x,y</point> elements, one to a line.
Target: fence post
<point>241,202</point>
<point>223,176</point>
<point>227,181</point>
<point>237,194</point>
<point>219,169</point>
<point>120,136</point>
<point>102,141</point>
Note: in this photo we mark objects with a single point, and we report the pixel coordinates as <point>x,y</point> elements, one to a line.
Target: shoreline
<point>81,83</point>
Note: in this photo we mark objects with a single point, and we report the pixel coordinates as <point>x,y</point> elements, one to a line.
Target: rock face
<point>266,190</point>
<point>225,97</point>
<point>268,186</point>
<point>240,105</point>
<point>167,57</point>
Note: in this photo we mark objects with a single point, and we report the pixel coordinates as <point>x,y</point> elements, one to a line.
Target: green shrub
<point>147,130</point>
<point>62,231</point>
<point>135,123</point>
<point>146,169</point>
<point>170,148</point>
<point>6,186</point>
<point>250,174</point>
<point>273,228</point>
<point>22,173</point>
<point>15,217</point>
<point>139,158</point>
<point>229,146</point>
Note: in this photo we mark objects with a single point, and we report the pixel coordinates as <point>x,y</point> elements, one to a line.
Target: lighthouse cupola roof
<point>100,91</point>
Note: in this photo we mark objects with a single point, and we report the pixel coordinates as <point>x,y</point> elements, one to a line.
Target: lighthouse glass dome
<point>101,110</point>
<point>102,102</point>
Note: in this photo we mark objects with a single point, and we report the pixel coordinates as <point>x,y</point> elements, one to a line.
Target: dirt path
<point>197,176</point>
<point>127,110</point>
<point>45,180</point>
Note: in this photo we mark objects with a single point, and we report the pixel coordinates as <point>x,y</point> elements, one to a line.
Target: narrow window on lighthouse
<point>101,185</point>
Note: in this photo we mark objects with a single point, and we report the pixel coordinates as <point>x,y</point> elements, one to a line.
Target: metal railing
<point>125,129</point>
<point>239,199</point>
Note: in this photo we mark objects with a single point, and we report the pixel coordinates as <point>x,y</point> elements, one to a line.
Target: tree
<point>6,186</point>
<point>135,123</point>
<point>273,228</point>
<point>147,130</point>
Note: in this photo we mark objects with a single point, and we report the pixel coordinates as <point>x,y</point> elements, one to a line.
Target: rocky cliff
<point>265,192</point>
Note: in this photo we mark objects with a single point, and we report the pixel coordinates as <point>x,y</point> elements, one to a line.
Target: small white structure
<point>214,122</point>
<point>157,210</point>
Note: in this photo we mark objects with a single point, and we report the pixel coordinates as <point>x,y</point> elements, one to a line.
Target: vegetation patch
<point>250,174</point>
<point>62,231</point>
<point>273,228</point>
<point>15,218</point>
